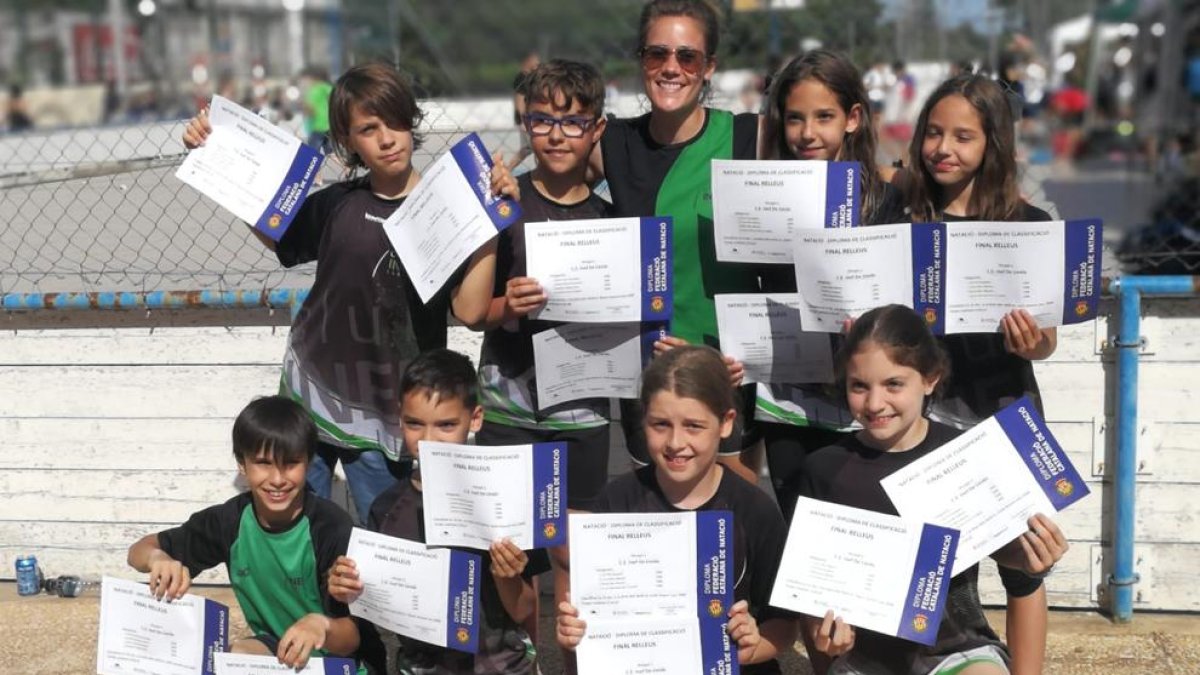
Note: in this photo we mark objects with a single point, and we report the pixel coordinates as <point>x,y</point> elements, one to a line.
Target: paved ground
<point>54,635</point>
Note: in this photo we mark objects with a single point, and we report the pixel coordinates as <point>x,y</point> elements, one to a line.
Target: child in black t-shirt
<point>962,167</point>
<point>564,102</point>
<point>363,320</point>
<point>277,542</point>
<point>440,402</point>
<point>890,365</point>
<point>818,109</point>
<point>690,406</point>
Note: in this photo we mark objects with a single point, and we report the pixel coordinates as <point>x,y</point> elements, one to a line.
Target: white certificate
<point>802,406</point>
<point>429,594</point>
<point>475,495</point>
<point>875,570</point>
<point>987,482</point>
<point>255,170</point>
<point>450,214</point>
<point>960,277</point>
<point>581,360</point>
<point>602,271</point>
<point>993,268</point>
<point>662,648</point>
<point>248,664</point>
<point>843,273</point>
<point>666,577</point>
<point>139,634</point>
<point>763,332</point>
<point>759,205</point>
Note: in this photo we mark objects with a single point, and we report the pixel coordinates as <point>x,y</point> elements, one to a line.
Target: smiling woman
<point>658,165</point>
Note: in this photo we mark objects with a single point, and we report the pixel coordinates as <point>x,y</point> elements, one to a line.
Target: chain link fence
<point>1170,242</point>
<point>100,210</point>
<point>97,208</point>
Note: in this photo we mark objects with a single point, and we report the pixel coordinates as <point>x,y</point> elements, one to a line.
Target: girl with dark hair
<point>889,369</point>
<point>962,168</point>
<point>817,110</point>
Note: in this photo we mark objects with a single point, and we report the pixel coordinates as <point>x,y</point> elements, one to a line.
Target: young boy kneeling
<point>439,401</point>
<point>277,542</point>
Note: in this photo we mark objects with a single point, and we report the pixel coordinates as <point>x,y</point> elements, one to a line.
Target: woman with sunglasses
<point>658,164</point>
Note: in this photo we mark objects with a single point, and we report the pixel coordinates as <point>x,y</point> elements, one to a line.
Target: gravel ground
<point>54,635</point>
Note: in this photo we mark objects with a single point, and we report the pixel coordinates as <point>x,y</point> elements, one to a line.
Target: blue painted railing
<point>289,298</point>
<point>1129,291</point>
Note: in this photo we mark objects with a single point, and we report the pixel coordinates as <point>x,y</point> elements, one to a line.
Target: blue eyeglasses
<point>573,126</point>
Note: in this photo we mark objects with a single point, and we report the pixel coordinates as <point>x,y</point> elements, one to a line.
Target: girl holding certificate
<point>658,164</point>
<point>964,168</point>
<point>690,407</point>
<point>890,366</point>
<point>818,110</point>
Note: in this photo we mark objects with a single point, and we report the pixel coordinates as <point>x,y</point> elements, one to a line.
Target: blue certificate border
<point>657,275</point>
<point>277,217</point>
<point>714,590</point>
<point>476,166</point>
<point>550,494</point>
<point>650,333</point>
<point>929,274</point>
<point>930,585</point>
<point>1082,240</point>
<point>216,633</point>
<point>462,610</point>
<point>842,201</point>
<point>1042,454</point>
<point>338,666</point>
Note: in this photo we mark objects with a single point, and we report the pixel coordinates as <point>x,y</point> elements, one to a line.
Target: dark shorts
<point>587,455</point>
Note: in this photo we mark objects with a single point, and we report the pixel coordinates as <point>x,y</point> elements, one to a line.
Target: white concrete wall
<point>111,432</point>
<point>117,430</point>
<point>1079,385</point>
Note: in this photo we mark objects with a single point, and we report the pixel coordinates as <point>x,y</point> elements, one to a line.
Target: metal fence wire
<point>97,209</point>
<point>1170,242</point>
<point>100,210</point>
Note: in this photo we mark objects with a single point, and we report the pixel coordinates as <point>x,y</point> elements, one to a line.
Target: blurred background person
<point>528,65</point>
<point>18,118</point>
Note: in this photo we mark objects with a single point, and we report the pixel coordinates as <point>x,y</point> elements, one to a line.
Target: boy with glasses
<point>564,101</point>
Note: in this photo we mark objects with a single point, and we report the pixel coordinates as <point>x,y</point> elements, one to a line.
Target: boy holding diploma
<point>363,319</point>
<point>277,540</point>
<point>439,395</point>
<point>564,101</point>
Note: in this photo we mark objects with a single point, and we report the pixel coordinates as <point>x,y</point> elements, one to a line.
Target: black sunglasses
<point>690,60</point>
